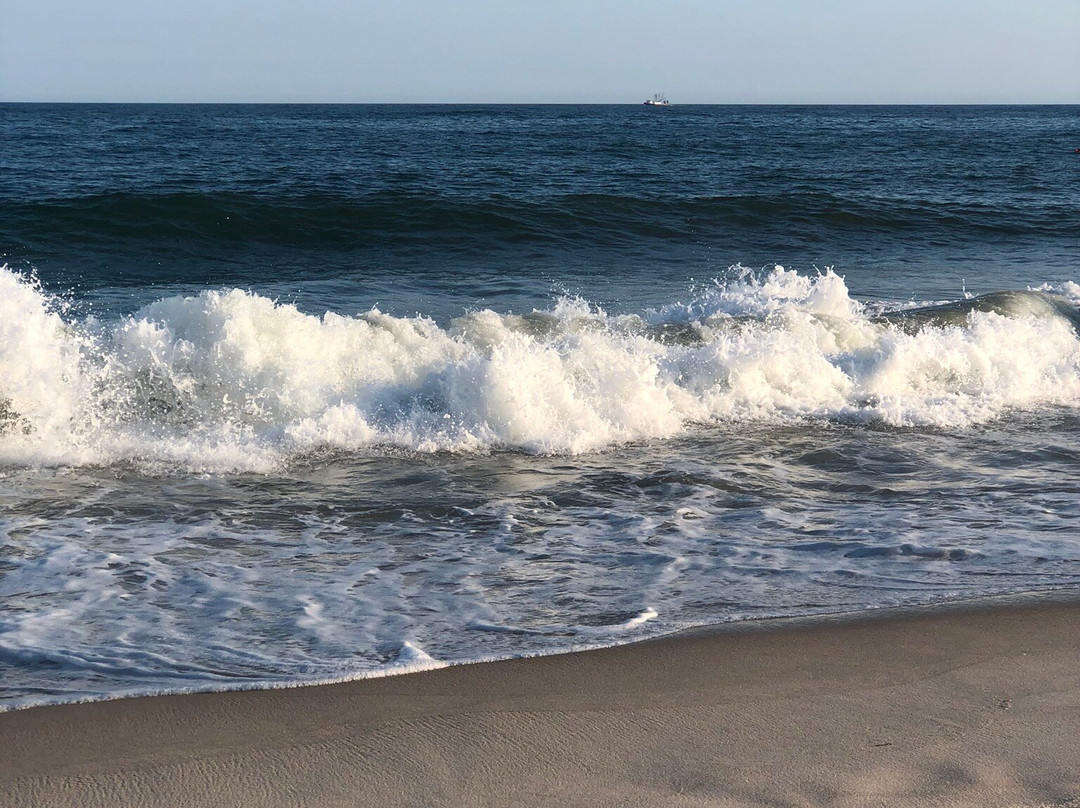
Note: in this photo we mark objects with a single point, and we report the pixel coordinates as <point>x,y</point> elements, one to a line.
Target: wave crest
<point>230,380</point>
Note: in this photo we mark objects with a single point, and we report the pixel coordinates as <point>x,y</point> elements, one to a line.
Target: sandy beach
<point>965,706</point>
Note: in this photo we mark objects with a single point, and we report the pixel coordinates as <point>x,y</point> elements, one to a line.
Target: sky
<point>512,51</point>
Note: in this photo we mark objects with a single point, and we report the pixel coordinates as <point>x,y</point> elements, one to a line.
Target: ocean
<point>294,394</point>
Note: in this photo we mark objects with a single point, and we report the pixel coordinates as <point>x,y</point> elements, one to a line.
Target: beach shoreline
<point>970,703</point>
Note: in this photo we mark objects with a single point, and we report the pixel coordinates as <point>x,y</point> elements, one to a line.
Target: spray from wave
<point>229,380</point>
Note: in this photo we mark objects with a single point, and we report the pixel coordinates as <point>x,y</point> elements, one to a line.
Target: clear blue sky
<point>704,51</point>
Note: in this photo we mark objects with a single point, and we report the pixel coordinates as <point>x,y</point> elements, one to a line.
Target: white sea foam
<point>231,380</point>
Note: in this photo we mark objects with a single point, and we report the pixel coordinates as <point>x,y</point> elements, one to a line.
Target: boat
<point>658,100</point>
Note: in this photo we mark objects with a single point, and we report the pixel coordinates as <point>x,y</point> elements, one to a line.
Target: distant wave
<point>232,380</point>
<point>429,218</point>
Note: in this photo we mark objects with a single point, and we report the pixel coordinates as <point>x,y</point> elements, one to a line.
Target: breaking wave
<point>229,380</point>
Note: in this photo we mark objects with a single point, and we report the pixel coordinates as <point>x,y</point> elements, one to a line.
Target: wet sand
<point>971,706</point>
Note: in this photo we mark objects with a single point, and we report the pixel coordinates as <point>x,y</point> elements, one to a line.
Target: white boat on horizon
<point>658,100</point>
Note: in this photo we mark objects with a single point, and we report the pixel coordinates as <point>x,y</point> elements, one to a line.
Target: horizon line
<point>565,103</point>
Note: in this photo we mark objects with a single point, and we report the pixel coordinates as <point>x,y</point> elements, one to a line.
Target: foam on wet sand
<point>971,706</point>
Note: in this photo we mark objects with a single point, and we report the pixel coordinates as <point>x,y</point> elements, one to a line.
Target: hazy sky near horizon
<point>697,51</point>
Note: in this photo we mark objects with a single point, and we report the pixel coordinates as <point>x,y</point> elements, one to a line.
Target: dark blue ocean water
<point>294,393</point>
<point>438,207</point>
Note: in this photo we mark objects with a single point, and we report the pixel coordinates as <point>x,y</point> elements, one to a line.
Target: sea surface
<point>301,393</point>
